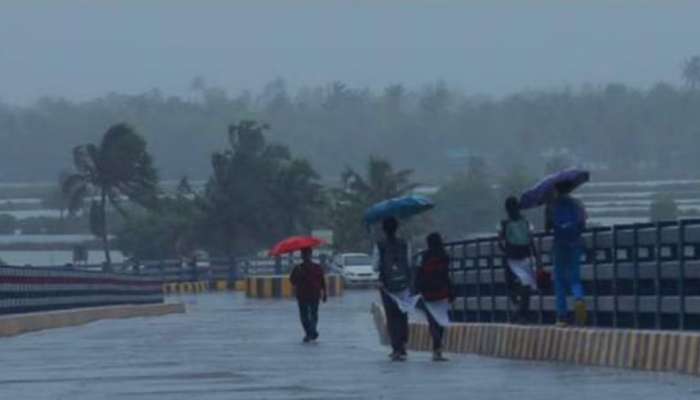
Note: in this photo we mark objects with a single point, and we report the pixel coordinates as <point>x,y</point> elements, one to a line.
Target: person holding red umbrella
<point>309,282</point>
<point>308,279</point>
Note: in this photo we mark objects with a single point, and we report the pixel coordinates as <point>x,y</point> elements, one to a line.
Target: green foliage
<point>119,167</point>
<point>663,208</point>
<point>642,133</point>
<point>358,192</point>
<point>171,232</point>
<point>473,202</point>
<point>466,204</point>
<point>257,193</point>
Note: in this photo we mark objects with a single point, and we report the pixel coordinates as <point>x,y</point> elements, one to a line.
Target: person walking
<point>566,218</point>
<point>434,285</point>
<point>309,282</point>
<point>515,240</point>
<point>391,261</point>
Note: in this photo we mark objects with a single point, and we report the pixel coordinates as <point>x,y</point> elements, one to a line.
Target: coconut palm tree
<point>258,192</point>
<point>381,182</point>
<point>119,168</point>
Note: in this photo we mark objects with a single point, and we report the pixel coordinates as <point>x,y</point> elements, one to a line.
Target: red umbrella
<point>295,243</point>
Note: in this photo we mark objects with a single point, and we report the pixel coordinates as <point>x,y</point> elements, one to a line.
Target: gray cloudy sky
<point>82,49</point>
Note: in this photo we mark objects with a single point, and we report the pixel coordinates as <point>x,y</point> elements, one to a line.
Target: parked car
<point>356,269</point>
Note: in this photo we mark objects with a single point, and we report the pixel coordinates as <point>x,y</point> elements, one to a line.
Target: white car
<point>356,269</point>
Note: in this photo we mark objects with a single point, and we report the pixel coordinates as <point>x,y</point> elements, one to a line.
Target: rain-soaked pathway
<point>229,347</point>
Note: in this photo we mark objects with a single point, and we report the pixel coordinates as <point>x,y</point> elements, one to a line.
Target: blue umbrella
<point>543,190</point>
<point>399,207</point>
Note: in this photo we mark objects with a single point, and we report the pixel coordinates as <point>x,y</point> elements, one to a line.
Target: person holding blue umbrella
<point>392,257</point>
<point>391,261</point>
<point>398,207</point>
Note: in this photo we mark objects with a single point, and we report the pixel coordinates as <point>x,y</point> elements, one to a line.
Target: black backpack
<point>393,264</point>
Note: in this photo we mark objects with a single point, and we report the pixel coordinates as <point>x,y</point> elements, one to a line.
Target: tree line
<point>257,193</point>
<point>623,132</point>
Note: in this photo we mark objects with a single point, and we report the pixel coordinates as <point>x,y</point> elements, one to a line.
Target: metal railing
<point>644,275</point>
<point>29,289</point>
<point>213,269</point>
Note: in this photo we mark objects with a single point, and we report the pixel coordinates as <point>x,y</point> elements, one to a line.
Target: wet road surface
<point>229,347</point>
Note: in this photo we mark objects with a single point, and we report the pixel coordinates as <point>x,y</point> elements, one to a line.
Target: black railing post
<point>594,266</point>
<point>540,311</point>
<point>450,270</point>
<point>509,287</point>
<point>680,252</point>
<point>657,277</point>
<point>492,267</point>
<point>463,267</point>
<point>635,271</point>
<point>477,266</point>
<point>615,291</point>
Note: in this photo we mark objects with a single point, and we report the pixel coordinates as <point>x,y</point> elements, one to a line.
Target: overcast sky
<point>83,49</point>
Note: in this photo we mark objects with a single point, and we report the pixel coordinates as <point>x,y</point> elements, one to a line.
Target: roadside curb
<point>646,350</point>
<point>17,324</point>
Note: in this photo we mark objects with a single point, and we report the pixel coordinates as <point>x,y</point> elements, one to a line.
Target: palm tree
<point>381,182</point>
<point>118,168</point>
<point>358,193</point>
<point>258,192</point>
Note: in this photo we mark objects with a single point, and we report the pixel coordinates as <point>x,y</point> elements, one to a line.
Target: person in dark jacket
<point>434,285</point>
<point>394,278</point>
<point>309,282</point>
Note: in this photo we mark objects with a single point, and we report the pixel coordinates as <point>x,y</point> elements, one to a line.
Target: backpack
<point>517,233</point>
<point>393,264</point>
<point>517,237</point>
<point>566,221</point>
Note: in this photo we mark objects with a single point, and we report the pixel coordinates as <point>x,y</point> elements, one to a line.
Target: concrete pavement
<point>230,347</point>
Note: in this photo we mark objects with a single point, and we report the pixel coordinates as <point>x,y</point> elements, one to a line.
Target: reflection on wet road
<point>229,347</point>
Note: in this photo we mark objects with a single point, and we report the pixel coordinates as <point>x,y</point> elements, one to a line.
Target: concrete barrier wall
<point>175,288</point>
<point>11,325</point>
<point>619,348</point>
<point>279,286</point>
<point>186,287</point>
<point>238,285</point>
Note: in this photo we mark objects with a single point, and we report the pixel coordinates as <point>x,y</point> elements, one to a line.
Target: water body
<point>38,239</point>
<point>229,347</point>
<point>23,214</point>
